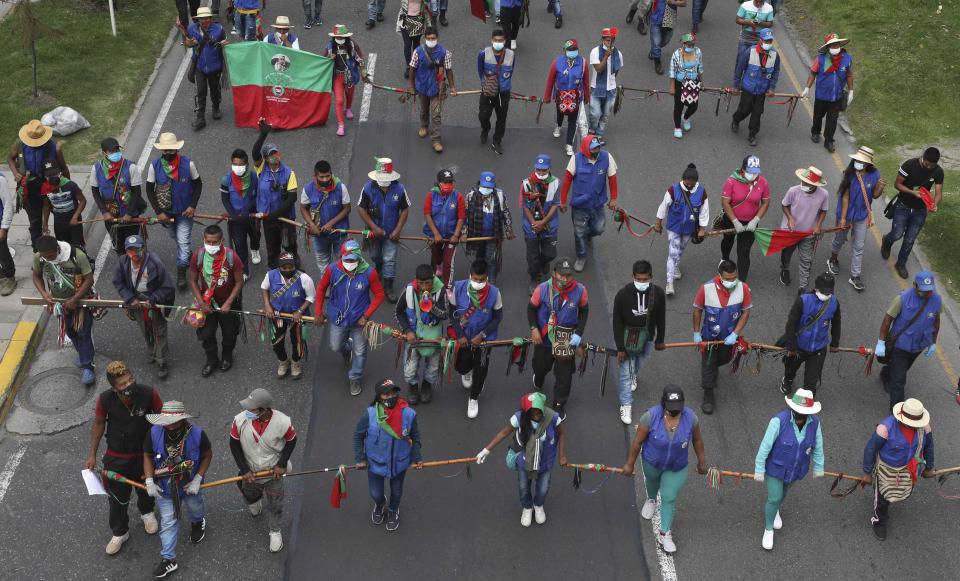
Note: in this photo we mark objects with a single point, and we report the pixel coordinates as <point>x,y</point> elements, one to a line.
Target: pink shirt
<point>746,198</point>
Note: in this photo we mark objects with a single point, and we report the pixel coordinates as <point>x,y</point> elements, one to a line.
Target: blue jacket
<point>487,66</point>
<point>567,311</point>
<point>753,77</point>
<point>33,157</point>
<point>349,295</point>
<point>443,210</point>
<point>856,208</point>
<point>292,299</point>
<point>719,321</point>
<point>589,187</point>
<point>895,450</point>
<point>385,455</point>
<point>812,338</point>
<point>385,206</point>
<point>548,451</point>
<point>208,55</point>
<point>830,85</point>
<point>568,78</point>
<point>662,452</point>
<point>239,204</point>
<point>329,204</point>
<point>160,289</point>
<point>682,218</point>
<point>789,459</point>
<point>191,451</point>
<point>272,187</point>
<point>551,198</point>
<point>919,335</point>
<point>426,74</point>
<point>109,189</point>
<point>182,184</point>
<point>485,319</point>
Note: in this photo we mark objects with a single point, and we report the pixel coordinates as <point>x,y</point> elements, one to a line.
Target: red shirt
<point>259,425</point>
<point>428,206</point>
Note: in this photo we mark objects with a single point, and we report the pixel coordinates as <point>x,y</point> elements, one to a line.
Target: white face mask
<point>730,284</point>
<point>497,46</point>
<point>807,188</point>
<point>859,165</point>
<point>751,176</point>
<point>543,175</point>
<point>534,424</point>
<point>766,45</point>
<point>477,285</point>
<point>822,296</point>
<point>211,248</point>
<point>430,43</point>
<point>384,185</point>
<point>340,40</point>
<point>238,170</point>
<point>835,51</point>
<point>350,266</point>
<point>485,191</point>
<point>641,286</point>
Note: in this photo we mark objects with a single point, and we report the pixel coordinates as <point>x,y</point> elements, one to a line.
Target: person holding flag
<point>539,206</point>
<point>206,38</point>
<point>287,291</point>
<point>431,75</point>
<point>745,200</point>
<point>384,207</point>
<point>804,210</point>
<point>813,323</point>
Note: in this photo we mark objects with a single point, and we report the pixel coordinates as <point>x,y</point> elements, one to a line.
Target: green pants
<point>669,484</point>
<point>776,492</point>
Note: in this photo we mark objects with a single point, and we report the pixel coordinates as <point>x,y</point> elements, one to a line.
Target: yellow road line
<point>17,352</point>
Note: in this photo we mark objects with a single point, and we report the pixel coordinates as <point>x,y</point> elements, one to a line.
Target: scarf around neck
<point>390,420</point>
<point>532,449</point>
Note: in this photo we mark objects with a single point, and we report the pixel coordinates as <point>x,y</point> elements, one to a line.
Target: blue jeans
<point>377,489</point>
<point>587,223</point>
<point>554,6</point>
<point>907,224</point>
<point>82,339</point>
<point>181,232</point>
<point>383,253</point>
<point>531,494</point>
<point>659,38</point>
<point>629,369</point>
<point>375,7</point>
<point>170,526</point>
<point>600,108</point>
<point>246,25</point>
<point>697,13</point>
<point>488,252</point>
<point>311,9</point>
<point>338,344</point>
<point>325,246</point>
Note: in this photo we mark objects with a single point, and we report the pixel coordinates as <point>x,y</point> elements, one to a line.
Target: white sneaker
<point>666,542</point>
<point>526,517</point>
<point>579,264</point>
<point>283,369</point>
<point>473,408</point>
<point>777,522</point>
<point>255,256</point>
<point>276,541</point>
<point>246,277</point>
<point>467,380</point>
<point>569,150</point>
<point>296,369</point>
<point>649,508</point>
<point>626,414</point>
<point>539,514</point>
<point>633,384</point>
<point>676,273</point>
<point>767,540</point>
<point>150,525</point>
<point>256,508</point>
<point>669,289</point>
<point>113,547</point>
<point>556,131</point>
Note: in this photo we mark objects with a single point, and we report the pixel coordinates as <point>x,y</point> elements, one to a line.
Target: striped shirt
<point>678,71</point>
<point>749,11</point>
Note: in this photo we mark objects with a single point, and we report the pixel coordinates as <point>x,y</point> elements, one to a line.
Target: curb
<point>15,364</point>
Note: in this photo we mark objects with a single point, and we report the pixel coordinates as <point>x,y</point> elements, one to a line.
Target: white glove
<point>818,474</point>
<point>575,340</point>
<point>152,489</point>
<point>881,349</point>
<point>849,98</point>
<point>738,226</point>
<point>758,476</point>
<point>752,224</point>
<point>482,456</point>
<point>193,487</point>
<point>805,92</point>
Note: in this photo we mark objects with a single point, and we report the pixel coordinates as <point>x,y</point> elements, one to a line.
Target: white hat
<point>864,154</point>
<point>204,12</point>
<point>911,413</point>
<point>812,176</point>
<point>282,22</point>
<point>383,172</point>
<point>802,402</point>
<point>168,141</point>
<point>172,412</point>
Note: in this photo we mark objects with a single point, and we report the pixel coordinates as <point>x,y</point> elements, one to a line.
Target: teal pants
<point>776,492</point>
<point>668,484</point>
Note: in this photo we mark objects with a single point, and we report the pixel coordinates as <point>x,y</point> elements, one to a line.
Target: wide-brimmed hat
<point>383,170</point>
<point>172,412</point>
<point>833,39</point>
<point>281,22</point>
<point>35,133</point>
<point>340,31</point>
<point>864,154</point>
<point>802,402</point>
<point>911,413</point>
<point>168,141</point>
<point>812,176</point>
<point>204,12</point>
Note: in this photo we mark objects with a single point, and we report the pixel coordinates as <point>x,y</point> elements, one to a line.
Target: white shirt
<point>9,203</point>
<point>611,76</point>
<point>703,219</point>
<point>308,287</point>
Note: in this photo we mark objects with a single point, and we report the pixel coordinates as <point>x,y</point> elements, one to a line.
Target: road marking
<point>368,88</point>
<point>6,477</point>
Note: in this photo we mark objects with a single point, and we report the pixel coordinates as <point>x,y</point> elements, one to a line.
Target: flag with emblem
<point>289,88</point>
<point>774,241</point>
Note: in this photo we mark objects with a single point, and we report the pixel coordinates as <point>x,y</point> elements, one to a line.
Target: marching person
<point>476,311</point>
<point>910,327</point>
<point>173,188</point>
<point>663,18</point>
<point>375,13</point>
<point>384,207</point>
<point>411,24</point>
<point>355,294</point>
<point>115,186</point>
<point>119,414</point>
<point>247,12</point>
<point>510,17</point>
<point>860,186</point>
<point>287,291</point>
<point>643,7</point>
<point>311,13</point>
<point>639,323</point>
<point>553,7</point>
<point>34,145</point>
<point>62,271</point>
<point>834,80</point>
<point>537,442</point>
<point>495,71</point>
<point>804,208</point>
<point>557,314</point>
<point>720,312</point>
<point>686,80</point>
<point>420,314</point>
<point>347,71</point>
<point>325,207</point>
<point>216,281</point>
<point>745,199</point>
<point>386,441</point>
<point>444,213</point>
<point>172,440</point>
<point>142,281</point>
<point>755,79</point>
<point>276,196</point>
<point>585,185</point>
<point>918,178</point>
<point>281,35</point>
<point>686,209</point>
<point>65,200</point>
<point>899,449</point>
<point>540,218</point>
<point>8,270</point>
<point>262,438</point>
<point>238,194</point>
<point>793,439</point>
<point>431,75</point>
<point>665,433</point>
<point>812,325</point>
<point>487,215</point>
<point>207,39</point>
<point>753,17</point>
<point>605,63</point>
<point>568,84</point>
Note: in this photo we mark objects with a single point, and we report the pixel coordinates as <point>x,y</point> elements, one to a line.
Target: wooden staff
<point>288,316</point>
<point>136,220</point>
<point>117,477</point>
<point>595,468</point>
<point>470,92</point>
<point>436,463</point>
<point>386,88</point>
<point>945,471</point>
<point>734,231</point>
<point>223,481</point>
<point>842,476</point>
<point>365,233</point>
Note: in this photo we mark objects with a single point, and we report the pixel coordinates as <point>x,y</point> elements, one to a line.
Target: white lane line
<point>6,477</point>
<point>668,570</point>
<point>106,246</point>
<point>368,88</point>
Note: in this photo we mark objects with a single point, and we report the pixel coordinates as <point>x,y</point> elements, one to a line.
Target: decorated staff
<point>665,432</point>
<point>812,325</point>
<point>287,291</point>
<point>686,209</point>
<point>421,312</point>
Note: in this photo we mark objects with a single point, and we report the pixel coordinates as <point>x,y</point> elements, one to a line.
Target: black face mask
<point>673,414</point>
<point>798,417</point>
<point>288,275</point>
<point>324,183</point>
<point>128,391</point>
<point>53,180</point>
<point>390,402</point>
<point>169,156</point>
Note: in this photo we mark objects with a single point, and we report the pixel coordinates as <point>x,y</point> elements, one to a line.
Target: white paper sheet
<point>94,485</point>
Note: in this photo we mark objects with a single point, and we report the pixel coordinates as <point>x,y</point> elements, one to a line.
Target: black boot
<point>558,23</point>
<point>658,66</point>
<point>426,394</point>
<point>388,289</point>
<point>642,25</point>
<point>443,18</point>
<point>631,14</point>
<point>181,277</point>
<point>708,404</point>
<point>200,122</point>
<point>414,397</point>
<point>216,111</point>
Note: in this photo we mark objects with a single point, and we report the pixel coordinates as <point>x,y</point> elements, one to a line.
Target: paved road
<point>467,527</point>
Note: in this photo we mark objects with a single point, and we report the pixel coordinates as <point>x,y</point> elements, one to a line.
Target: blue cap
<point>753,164</point>
<point>765,34</point>
<point>595,143</point>
<point>350,250</point>
<point>268,148</point>
<point>542,162</point>
<point>925,281</point>
<point>135,241</point>
<point>488,180</point>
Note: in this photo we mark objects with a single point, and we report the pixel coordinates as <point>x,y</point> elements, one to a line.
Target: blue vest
<point>919,335</point>
<point>568,78</point>
<point>830,85</point>
<point>811,338</point>
<point>480,317</point>
<point>856,208</point>
<point>681,218</point>
<point>503,72</point>
<point>388,456</point>
<point>548,451</point>
<point>33,157</point>
<point>662,452</point>
<point>718,322</point>
<point>272,187</point>
<point>614,63</point>
<point>208,56</point>
<point>329,204</point>
<point>240,200</point>
<point>590,183</point>
<point>789,460</point>
<point>425,81</point>
<point>247,4</point>
<point>385,206</point>
<point>529,204</point>
<point>191,451</point>
<point>443,209</point>
<point>292,299</point>
<point>567,310</point>
<point>272,38</point>
<point>412,309</point>
<point>657,11</point>
<point>349,296</point>
<point>182,184</point>
<point>898,451</point>
<point>108,188</point>
<point>758,79</point>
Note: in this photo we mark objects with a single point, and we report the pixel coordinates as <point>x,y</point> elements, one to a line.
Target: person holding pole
<point>289,291</point>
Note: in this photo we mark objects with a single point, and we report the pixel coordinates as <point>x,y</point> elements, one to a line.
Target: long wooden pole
<point>595,467</point>
<point>726,231</point>
<point>415,238</point>
<point>223,481</point>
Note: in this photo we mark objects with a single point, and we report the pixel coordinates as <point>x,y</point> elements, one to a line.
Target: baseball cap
<point>109,144</point>
<point>386,386</point>
<point>444,176</point>
<point>488,179</point>
<point>533,400</point>
<point>542,161</point>
<point>287,258</point>
<point>753,164</point>
<point>765,34</point>
<point>135,241</point>
<point>825,283</point>
<point>571,44</point>
<point>350,250</point>
<point>672,399</point>
<point>925,281</point>
<point>563,265</point>
<point>268,148</point>
<point>595,143</point>
<point>258,398</point>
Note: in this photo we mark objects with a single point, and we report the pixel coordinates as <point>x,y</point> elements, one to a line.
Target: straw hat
<point>171,413</point>
<point>802,402</point>
<point>812,176</point>
<point>833,39</point>
<point>204,12</point>
<point>864,154</point>
<point>911,413</point>
<point>35,133</point>
<point>168,141</point>
<point>383,171</point>
<point>282,22</point>
<point>340,31</point>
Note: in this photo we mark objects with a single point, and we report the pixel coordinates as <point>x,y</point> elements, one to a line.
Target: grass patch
<point>85,68</point>
<point>906,87</point>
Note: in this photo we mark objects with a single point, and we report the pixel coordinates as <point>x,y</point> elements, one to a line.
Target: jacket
<point>160,290</point>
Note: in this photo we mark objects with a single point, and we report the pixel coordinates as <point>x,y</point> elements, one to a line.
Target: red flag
<point>339,491</point>
<point>773,241</point>
<point>480,8</point>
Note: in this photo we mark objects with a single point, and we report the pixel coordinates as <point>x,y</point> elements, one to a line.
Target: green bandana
<point>382,421</point>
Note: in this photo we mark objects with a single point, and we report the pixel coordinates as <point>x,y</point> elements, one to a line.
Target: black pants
<point>229,325</point>
<point>33,205</point>
<point>678,107</point>
<point>64,231</point>
<point>500,104</point>
<point>205,82</point>
<point>894,373</point>
<point>410,43</point>
<point>744,244</point>
<point>543,362</point>
<point>540,253</point>
<point>830,109</point>
<point>280,339</point>
<point>477,360</point>
<point>278,235</point>
<point>571,123</point>
<point>750,106</point>
<point>185,17</point>
<point>120,493</point>
<point>811,373</point>
<point>240,232</point>
<point>510,21</point>
<point>119,232</point>
<point>7,268</point>
<point>711,361</point>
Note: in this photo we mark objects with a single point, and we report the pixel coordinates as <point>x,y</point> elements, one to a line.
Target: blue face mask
<point>250,415</point>
<point>485,191</point>
<point>114,157</point>
<point>688,49</point>
<point>534,424</point>
<point>572,54</point>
